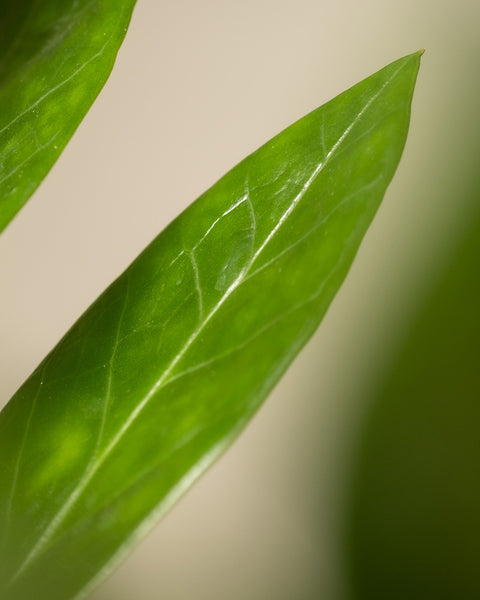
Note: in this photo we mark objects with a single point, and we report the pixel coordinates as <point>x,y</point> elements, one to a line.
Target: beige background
<point>197,86</point>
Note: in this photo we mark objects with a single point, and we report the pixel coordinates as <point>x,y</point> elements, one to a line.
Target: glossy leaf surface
<point>414,524</point>
<point>164,370</point>
<point>55,57</point>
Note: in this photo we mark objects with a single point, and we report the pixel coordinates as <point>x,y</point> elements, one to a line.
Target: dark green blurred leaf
<point>414,527</point>
<point>55,57</point>
<point>164,370</point>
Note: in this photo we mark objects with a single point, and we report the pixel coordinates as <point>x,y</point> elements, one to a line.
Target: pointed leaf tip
<point>162,372</point>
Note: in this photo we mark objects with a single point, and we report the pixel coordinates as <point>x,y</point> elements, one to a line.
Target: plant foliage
<point>162,372</point>
<point>55,57</point>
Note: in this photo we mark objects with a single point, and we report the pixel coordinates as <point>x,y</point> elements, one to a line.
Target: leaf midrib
<point>76,493</point>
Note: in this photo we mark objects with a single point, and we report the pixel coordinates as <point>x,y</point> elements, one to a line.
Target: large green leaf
<point>168,365</point>
<point>55,56</point>
<point>414,522</point>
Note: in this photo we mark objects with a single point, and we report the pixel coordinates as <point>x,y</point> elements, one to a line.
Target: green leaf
<point>55,57</point>
<point>163,371</point>
<point>414,526</point>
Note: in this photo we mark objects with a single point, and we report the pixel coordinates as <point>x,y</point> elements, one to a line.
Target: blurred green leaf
<point>55,57</point>
<point>164,370</point>
<point>414,524</point>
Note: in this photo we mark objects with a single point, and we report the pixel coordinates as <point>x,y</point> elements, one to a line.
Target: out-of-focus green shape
<point>164,370</point>
<point>414,528</point>
<point>55,56</point>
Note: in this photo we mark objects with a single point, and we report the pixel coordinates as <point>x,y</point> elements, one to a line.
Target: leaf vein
<point>55,88</point>
<point>52,527</point>
<point>8,512</point>
<point>108,395</point>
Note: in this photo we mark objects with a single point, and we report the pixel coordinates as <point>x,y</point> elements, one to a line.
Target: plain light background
<point>197,86</point>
